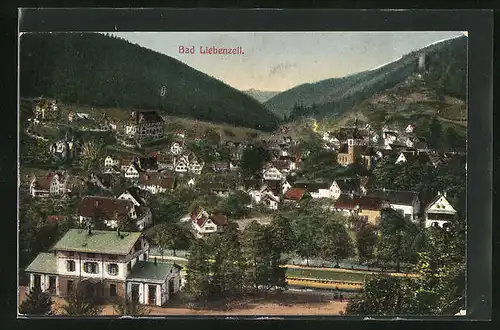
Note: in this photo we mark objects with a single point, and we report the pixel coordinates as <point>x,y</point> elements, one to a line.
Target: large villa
<point>110,263</point>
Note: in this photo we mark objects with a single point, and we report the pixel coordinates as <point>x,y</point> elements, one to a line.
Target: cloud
<point>281,68</point>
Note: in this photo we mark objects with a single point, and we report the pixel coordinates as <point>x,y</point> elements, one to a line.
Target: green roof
<point>148,271</point>
<point>100,241</point>
<point>44,262</point>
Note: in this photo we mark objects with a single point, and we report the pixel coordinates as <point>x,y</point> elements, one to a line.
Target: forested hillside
<point>105,71</point>
<point>261,96</point>
<point>446,66</point>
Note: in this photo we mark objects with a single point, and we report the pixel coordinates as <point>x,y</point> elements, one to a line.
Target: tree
<point>80,303</point>
<point>171,236</point>
<point>264,258</point>
<point>36,303</point>
<point>384,295</point>
<point>253,160</point>
<point>91,155</point>
<point>198,271</point>
<point>282,233</point>
<point>228,267</point>
<point>235,205</point>
<point>334,241</point>
<point>366,241</point>
<point>130,307</point>
<point>397,239</point>
<point>434,132</point>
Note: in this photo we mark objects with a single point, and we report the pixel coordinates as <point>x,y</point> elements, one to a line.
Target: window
<point>91,267</point>
<point>113,269</point>
<point>129,266</point>
<point>69,286</point>
<point>112,290</point>
<point>70,265</point>
<point>90,255</point>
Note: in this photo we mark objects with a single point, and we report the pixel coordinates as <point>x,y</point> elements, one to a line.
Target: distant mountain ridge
<point>107,71</point>
<point>446,62</point>
<point>261,96</point>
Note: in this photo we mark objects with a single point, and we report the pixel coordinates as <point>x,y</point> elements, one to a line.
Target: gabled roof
<point>100,241</point>
<point>347,202</point>
<point>273,185</point>
<point>347,185</point>
<point>439,195</point>
<point>398,197</point>
<point>251,184</point>
<point>106,207</point>
<point>137,194</point>
<point>149,271</point>
<point>295,194</point>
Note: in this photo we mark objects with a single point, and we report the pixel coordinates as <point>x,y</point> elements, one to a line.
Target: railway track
<point>324,284</point>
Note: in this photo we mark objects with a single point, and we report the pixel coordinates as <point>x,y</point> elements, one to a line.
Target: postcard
<point>242,173</point>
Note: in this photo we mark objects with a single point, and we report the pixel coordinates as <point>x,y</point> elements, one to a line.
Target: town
<point>136,210</point>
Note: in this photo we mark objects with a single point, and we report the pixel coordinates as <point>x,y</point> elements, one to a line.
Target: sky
<point>277,61</point>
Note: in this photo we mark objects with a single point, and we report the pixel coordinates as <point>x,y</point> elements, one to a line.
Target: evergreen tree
<point>366,241</point>
<point>36,303</point>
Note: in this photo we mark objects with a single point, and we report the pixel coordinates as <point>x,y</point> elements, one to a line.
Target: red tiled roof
<point>104,206</point>
<point>219,219</point>
<point>346,202</point>
<point>295,194</point>
<point>156,179</point>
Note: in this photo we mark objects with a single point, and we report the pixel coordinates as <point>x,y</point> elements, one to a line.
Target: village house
<point>218,188</point>
<point>365,207</point>
<point>46,109</point>
<point>65,149</point>
<point>295,195</point>
<point>220,167</point>
<point>181,165</point>
<point>439,212</point>
<point>316,189</point>
<point>144,125</point>
<point>287,183</point>
<point>177,147</point>
<point>135,195</point>
<point>195,163</point>
<point>270,201</point>
<point>126,161</point>
<point>267,193</point>
<point>52,184</point>
<point>110,210</point>
<point>345,186</point>
<point>191,183</point>
<point>181,134</point>
<point>132,172</point>
<point>271,173</point>
<point>110,161</point>
<point>109,264</point>
<point>406,203</point>
<point>156,182</point>
<point>204,223</point>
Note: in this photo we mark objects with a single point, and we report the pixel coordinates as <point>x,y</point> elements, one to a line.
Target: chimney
<point>155,261</point>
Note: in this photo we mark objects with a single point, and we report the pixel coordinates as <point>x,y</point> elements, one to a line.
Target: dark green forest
<point>446,65</point>
<point>107,71</point>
